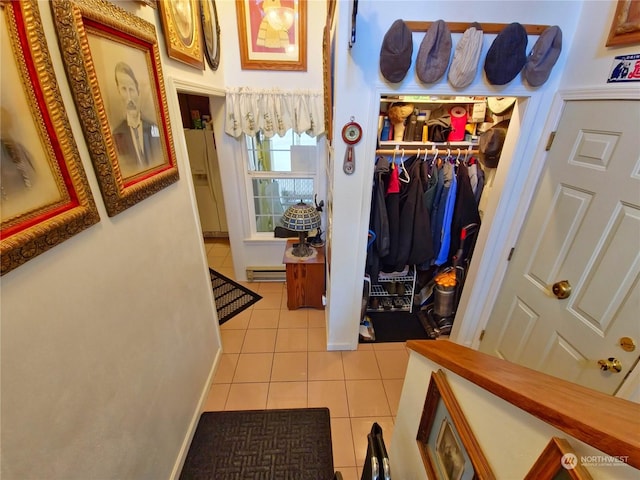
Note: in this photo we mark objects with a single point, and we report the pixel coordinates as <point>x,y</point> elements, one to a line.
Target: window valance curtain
<point>249,110</point>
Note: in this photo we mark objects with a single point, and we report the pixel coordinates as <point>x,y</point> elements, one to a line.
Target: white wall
<point>247,249</point>
<point>511,439</point>
<point>358,85</point>
<point>109,339</point>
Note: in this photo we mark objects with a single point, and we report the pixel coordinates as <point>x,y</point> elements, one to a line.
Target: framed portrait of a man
<point>116,78</point>
<point>44,195</point>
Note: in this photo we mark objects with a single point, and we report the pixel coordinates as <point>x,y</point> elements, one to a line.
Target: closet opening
<point>434,191</point>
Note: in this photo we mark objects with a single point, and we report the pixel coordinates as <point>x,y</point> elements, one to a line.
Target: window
<point>282,171</point>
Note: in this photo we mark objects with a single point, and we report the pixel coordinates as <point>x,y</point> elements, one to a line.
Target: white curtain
<point>249,110</point>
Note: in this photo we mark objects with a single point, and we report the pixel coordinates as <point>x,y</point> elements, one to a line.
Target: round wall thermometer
<point>351,134</point>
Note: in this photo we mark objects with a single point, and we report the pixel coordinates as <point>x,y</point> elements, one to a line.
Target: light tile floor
<point>277,358</point>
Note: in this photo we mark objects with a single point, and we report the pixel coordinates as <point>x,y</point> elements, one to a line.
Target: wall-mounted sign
<point>625,68</point>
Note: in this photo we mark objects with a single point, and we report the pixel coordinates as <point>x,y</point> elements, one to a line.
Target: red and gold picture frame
<point>272,34</point>
<point>45,196</point>
<point>558,461</point>
<point>113,67</point>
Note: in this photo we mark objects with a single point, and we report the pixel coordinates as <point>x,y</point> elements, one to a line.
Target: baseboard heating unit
<point>266,274</point>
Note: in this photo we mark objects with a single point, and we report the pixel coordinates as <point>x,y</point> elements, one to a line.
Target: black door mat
<point>396,327</point>
<point>284,444</point>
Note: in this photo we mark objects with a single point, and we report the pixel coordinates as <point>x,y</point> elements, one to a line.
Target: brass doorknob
<point>611,364</point>
<point>561,289</point>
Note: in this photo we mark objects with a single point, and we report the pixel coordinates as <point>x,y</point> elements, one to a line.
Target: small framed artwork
<point>45,198</point>
<point>625,28</point>
<point>210,32</point>
<point>272,34</point>
<point>558,462</point>
<point>447,445</point>
<point>113,67</point>
<point>181,27</point>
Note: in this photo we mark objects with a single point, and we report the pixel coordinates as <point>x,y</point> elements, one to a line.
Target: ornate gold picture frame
<point>272,35</point>
<point>114,70</point>
<point>45,195</point>
<point>183,31</point>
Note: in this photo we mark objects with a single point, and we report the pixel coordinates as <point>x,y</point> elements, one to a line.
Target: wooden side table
<point>305,279</point>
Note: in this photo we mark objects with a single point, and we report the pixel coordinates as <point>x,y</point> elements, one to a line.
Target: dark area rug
<point>285,444</point>
<point>396,327</point>
<point>231,298</point>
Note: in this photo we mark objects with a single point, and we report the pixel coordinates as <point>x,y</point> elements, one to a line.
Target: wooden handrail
<point>460,27</point>
<point>608,423</point>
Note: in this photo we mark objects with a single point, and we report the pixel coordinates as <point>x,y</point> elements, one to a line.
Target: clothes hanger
<point>404,173</point>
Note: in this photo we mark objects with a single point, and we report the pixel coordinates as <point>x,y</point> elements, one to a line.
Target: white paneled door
<point>570,302</point>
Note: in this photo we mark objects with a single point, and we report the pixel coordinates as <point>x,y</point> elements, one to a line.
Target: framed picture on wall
<point>210,32</point>
<point>558,461</point>
<point>272,34</point>
<point>182,31</point>
<point>448,448</point>
<point>625,28</point>
<point>114,70</point>
<point>45,198</point>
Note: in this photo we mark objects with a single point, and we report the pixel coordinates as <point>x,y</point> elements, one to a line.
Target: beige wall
<point>109,339</point>
<point>511,439</point>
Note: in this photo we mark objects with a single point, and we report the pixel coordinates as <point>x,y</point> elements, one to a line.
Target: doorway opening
<point>440,167</point>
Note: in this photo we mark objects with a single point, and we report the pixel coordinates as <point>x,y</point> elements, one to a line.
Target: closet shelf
<point>460,27</point>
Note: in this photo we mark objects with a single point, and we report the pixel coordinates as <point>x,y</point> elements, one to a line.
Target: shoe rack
<point>393,294</point>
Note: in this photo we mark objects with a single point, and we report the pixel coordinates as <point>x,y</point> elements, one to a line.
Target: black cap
<point>507,55</point>
<point>396,51</point>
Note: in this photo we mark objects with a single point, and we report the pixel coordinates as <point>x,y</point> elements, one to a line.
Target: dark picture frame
<point>260,48</point>
<point>558,461</point>
<point>182,31</point>
<point>210,32</point>
<point>447,445</point>
<point>46,198</point>
<point>625,28</point>
<point>113,67</point>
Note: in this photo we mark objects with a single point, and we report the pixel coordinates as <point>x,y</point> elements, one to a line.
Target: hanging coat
<point>415,246</point>
<point>464,213</point>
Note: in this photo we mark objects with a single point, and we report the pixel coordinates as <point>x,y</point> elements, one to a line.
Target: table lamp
<point>301,218</point>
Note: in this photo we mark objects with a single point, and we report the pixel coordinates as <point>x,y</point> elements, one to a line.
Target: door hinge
<point>552,135</point>
<point>510,254</point>
<point>482,335</point>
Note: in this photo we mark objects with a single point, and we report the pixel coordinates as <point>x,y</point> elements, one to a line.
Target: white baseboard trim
<point>186,443</point>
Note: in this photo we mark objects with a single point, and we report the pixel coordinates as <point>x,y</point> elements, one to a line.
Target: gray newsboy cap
<point>396,51</point>
<point>507,55</point>
<point>543,56</point>
<point>465,57</point>
<point>434,53</point>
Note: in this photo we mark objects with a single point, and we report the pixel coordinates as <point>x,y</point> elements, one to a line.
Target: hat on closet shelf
<point>543,56</point>
<point>500,105</point>
<point>434,53</point>
<point>507,55</point>
<point>396,51</point>
<point>466,57</point>
<point>490,144</point>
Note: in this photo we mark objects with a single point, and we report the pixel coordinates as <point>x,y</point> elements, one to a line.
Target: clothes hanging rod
<point>460,27</point>
<point>406,151</point>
